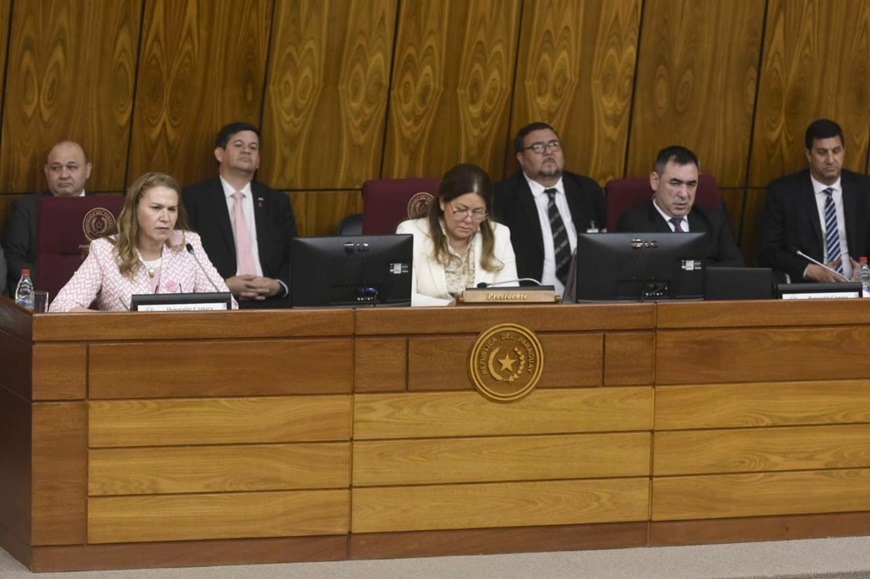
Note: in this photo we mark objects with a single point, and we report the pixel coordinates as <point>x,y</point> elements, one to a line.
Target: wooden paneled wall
<point>348,90</point>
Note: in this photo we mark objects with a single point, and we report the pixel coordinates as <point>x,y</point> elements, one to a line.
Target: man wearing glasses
<point>545,207</point>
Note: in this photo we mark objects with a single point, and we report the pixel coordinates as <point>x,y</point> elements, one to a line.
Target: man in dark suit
<point>823,211</point>
<point>246,227</point>
<point>545,206</point>
<point>66,171</point>
<point>672,208</point>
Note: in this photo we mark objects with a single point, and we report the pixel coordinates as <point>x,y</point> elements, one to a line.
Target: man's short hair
<point>679,155</point>
<point>530,128</point>
<point>231,129</point>
<point>823,129</point>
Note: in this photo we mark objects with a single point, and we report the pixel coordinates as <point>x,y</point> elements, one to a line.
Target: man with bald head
<point>66,171</point>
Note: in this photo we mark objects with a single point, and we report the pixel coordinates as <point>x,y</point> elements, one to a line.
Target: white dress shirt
<point>542,200</point>
<point>684,222</point>
<point>248,210</point>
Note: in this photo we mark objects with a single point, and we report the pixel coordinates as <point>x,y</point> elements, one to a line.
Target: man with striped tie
<point>545,207</point>
<point>822,211</point>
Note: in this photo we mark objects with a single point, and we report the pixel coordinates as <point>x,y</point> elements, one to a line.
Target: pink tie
<point>244,255</point>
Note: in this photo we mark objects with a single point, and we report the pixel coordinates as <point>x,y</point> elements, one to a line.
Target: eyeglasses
<point>462,214</point>
<point>541,146</point>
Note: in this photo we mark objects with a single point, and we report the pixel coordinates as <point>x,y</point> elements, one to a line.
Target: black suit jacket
<point>790,219</point>
<point>20,237</point>
<point>206,206</point>
<point>515,207</point>
<point>722,250</point>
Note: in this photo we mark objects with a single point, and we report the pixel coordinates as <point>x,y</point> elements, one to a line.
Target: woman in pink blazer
<point>147,254</point>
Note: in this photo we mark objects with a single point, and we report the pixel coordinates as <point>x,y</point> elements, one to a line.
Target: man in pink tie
<point>245,226</point>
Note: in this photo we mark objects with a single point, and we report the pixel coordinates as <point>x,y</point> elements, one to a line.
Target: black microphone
<point>484,285</point>
<point>189,248</point>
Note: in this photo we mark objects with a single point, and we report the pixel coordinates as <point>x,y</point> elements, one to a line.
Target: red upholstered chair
<point>388,202</point>
<point>625,194</point>
<point>65,227</point>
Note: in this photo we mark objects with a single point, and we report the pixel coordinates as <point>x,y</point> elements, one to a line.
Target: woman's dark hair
<point>459,180</point>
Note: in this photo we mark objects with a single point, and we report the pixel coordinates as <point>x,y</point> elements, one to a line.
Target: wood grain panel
<point>218,516</point>
<point>798,83</point>
<point>59,473</point>
<point>5,11</point>
<point>327,94</point>
<point>755,495</point>
<point>671,533</point>
<point>466,460</point>
<point>762,404</point>
<point>493,541</point>
<point>16,357</point>
<point>188,325</point>
<point>451,85</point>
<point>757,450</point>
<point>190,553</point>
<point>59,372</point>
<point>437,414</point>
<point>202,368</point>
<point>147,471</point>
<point>575,70</point>
<point>380,364</point>
<point>441,363</point>
<point>15,472</point>
<point>696,84</point>
<point>540,318</point>
<point>763,313</point>
<point>629,358</point>
<point>321,212</point>
<point>499,505</point>
<point>700,356</point>
<point>202,65</point>
<point>219,421</point>
<point>55,91</point>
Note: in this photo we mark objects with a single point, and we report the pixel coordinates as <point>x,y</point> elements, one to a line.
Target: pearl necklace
<point>152,265</point>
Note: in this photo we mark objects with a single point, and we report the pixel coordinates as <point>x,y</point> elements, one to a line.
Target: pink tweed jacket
<point>99,277</point>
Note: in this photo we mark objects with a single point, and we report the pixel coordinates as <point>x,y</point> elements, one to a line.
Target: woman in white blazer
<point>457,246</point>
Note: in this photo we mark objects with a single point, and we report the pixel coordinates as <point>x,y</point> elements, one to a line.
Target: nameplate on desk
<point>190,302</point>
<point>510,295</point>
<point>819,291</point>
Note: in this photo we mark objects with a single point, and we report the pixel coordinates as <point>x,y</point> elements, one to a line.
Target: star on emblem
<point>507,363</point>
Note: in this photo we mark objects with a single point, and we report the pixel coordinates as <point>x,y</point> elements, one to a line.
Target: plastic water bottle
<point>24,291</point>
<point>864,276</point>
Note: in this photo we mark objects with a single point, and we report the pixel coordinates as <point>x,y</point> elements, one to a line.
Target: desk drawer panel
<point>218,368</point>
<point>167,470</point>
<point>556,411</point>
<point>461,460</point>
<point>763,494</point>
<point>762,449</point>
<point>424,508</point>
<point>217,516</point>
<point>762,404</point>
<point>219,421</point>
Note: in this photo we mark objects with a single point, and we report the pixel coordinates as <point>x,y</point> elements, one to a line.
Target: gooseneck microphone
<point>484,285</point>
<point>189,248</point>
<point>820,264</point>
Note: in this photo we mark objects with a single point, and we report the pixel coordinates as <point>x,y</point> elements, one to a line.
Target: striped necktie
<point>561,247</point>
<point>832,231</point>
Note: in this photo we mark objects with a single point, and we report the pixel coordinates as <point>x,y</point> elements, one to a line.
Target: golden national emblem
<point>506,362</point>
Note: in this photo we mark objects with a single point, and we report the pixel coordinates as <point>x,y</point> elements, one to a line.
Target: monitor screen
<point>356,270</point>
<point>640,266</point>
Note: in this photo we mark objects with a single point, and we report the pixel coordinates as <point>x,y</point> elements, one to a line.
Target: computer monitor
<point>356,270</point>
<point>640,266</point>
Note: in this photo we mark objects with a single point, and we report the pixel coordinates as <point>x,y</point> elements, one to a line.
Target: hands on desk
<point>251,287</point>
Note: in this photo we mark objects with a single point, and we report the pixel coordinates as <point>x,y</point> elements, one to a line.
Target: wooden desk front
<point>182,439</point>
